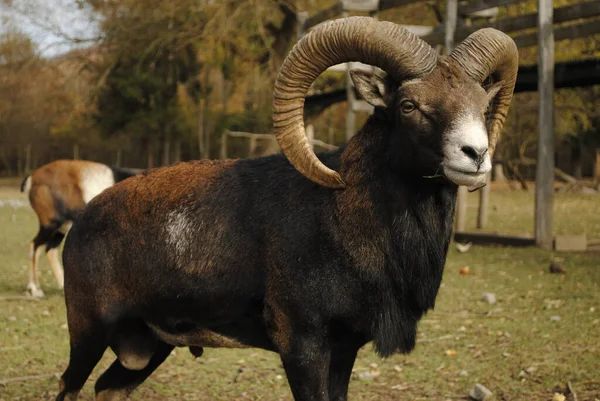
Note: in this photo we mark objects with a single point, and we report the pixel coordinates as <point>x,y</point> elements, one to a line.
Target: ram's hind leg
<point>118,382</point>
<point>89,340</point>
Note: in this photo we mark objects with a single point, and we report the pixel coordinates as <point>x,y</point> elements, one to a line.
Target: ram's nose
<point>475,153</point>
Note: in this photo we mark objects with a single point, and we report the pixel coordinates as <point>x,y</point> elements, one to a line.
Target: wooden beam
<point>569,74</point>
<point>360,5</point>
<point>561,14</point>
<point>494,239</point>
<point>387,4</point>
<point>324,15</point>
<point>352,5</point>
<point>484,5</point>
<point>587,28</point>
<point>544,179</point>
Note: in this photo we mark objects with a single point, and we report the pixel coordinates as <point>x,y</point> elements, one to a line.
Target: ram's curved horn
<point>384,44</point>
<point>491,53</point>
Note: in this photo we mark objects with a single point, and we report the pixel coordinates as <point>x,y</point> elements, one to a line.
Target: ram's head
<point>442,119</point>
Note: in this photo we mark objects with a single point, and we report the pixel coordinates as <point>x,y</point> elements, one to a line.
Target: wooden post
<point>450,25</point>
<point>544,178</point>
<point>252,146</point>
<point>597,167</point>
<point>224,144</point>
<point>484,200</point>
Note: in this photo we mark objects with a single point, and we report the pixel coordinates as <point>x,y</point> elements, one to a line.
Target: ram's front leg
<point>306,364</point>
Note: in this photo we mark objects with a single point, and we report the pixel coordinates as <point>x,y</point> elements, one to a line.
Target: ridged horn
<point>401,54</point>
<point>491,53</point>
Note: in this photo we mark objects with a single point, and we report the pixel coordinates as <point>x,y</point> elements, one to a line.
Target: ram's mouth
<point>467,178</point>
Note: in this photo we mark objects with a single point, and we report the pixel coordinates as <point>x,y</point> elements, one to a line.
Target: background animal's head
<point>442,121</point>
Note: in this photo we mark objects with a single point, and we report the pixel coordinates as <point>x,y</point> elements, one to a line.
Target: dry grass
<point>493,343</point>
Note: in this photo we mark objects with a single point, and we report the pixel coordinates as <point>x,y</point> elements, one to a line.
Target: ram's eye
<point>407,106</point>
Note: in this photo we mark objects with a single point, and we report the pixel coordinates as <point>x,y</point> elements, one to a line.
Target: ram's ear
<point>371,87</point>
<point>492,90</point>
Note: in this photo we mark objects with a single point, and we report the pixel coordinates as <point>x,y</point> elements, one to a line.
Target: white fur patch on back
<point>179,231</point>
<point>94,179</point>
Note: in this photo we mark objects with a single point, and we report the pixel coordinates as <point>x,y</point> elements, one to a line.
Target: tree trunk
<point>576,159</point>
<point>166,152</point>
<point>200,123</point>
<point>150,163</point>
<point>177,152</point>
<point>28,158</point>
<point>499,172</point>
<point>119,157</point>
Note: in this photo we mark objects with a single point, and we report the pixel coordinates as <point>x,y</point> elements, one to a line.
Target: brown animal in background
<point>58,192</point>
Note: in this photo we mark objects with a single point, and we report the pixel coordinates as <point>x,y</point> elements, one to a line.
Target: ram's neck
<point>396,230</point>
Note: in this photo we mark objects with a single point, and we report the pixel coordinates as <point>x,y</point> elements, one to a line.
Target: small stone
<point>365,376</point>
<point>481,393</point>
<point>400,387</point>
<point>558,397</point>
<point>555,318</point>
<point>531,369</point>
<point>64,326</point>
<point>592,309</point>
<point>278,377</point>
<point>463,373</point>
<point>373,365</point>
<point>12,319</point>
<point>46,313</point>
<point>522,374</point>
<point>556,268</point>
<point>398,368</point>
<point>505,354</point>
<point>489,297</point>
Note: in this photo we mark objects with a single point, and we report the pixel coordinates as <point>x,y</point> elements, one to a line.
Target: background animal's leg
<point>116,383</point>
<point>89,340</point>
<point>306,364</point>
<point>340,369</point>
<point>35,250</point>
<point>54,257</point>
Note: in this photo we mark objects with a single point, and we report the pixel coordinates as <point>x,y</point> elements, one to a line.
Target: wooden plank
<point>544,188</point>
<point>494,239</point>
<point>360,5</point>
<point>561,14</point>
<point>484,5</point>
<point>387,4</point>
<point>584,29</point>
<point>324,15</point>
<point>569,74</point>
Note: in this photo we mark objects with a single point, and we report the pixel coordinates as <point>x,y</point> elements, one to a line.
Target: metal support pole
<point>544,178</point>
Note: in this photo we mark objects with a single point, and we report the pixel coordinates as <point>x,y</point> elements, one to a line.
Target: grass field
<point>518,347</point>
